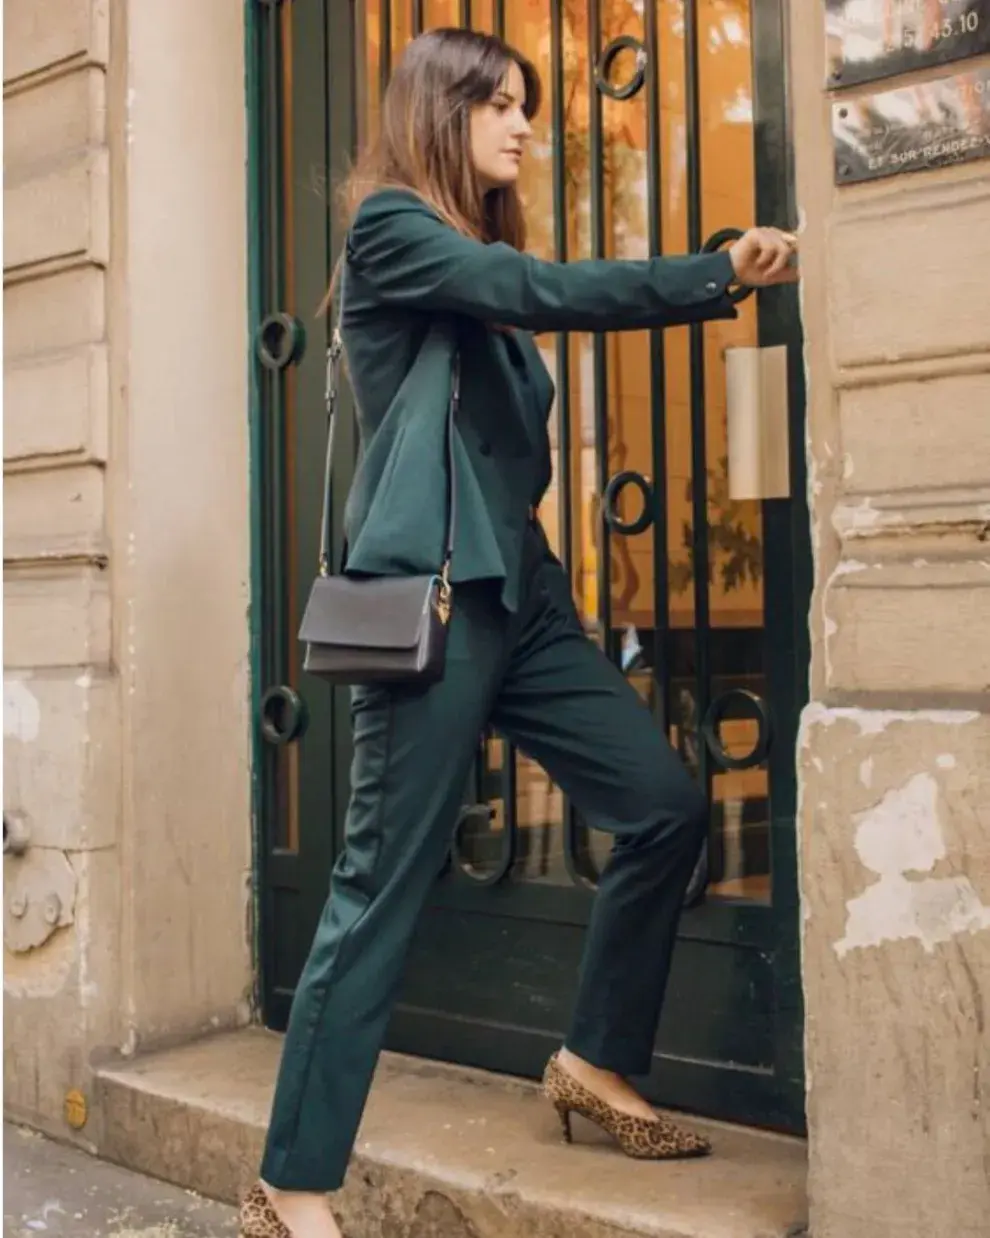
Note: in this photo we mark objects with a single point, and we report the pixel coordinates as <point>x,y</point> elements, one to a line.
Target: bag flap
<point>381,613</point>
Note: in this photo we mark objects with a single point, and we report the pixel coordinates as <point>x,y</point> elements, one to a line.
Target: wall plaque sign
<point>930,125</point>
<point>872,39</point>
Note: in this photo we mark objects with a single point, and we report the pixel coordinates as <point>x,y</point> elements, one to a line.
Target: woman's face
<point>499,132</point>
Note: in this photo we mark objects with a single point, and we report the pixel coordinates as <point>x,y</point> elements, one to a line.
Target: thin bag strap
<point>335,352</point>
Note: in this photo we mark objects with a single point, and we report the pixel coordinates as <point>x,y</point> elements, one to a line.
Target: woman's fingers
<point>765,256</point>
<point>781,256</point>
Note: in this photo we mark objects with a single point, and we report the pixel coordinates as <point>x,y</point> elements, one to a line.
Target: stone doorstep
<point>445,1152</point>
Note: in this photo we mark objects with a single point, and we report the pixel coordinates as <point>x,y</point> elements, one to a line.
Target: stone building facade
<point>128,719</point>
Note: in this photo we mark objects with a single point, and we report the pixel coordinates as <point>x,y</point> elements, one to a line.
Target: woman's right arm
<point>410,257</point>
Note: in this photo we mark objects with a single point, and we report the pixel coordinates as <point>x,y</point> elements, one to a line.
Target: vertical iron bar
<point>699,447</point>
<point>658,382</point>
<point>577,851</point>
<point>597,181</point>
<point>384,46</point>
<point>509,780</point>
<point>564,437</point>
<point>273,170</point>
<point>565,514</point>
<point>509,788</point>
<point>786,541</point>
<point>348,86</point>
<point>509,774</point>
<point>465,14</point>
<point>418,17</point>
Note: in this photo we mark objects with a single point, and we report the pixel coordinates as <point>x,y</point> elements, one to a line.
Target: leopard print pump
<point>660,1140</point>
<point>258,1218</point>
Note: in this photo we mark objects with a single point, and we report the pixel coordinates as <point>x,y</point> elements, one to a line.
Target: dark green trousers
<point>537,678</point>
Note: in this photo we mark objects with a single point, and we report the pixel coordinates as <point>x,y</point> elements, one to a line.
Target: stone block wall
<point>126,690</point>
<point>61,694</point>
<point>895,749</point>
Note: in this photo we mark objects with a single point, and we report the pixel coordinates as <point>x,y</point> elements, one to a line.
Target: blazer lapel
<point>527,378</point>
<point>539,377</point>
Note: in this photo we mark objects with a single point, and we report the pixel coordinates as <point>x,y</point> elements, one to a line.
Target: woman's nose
<point>522,128</point>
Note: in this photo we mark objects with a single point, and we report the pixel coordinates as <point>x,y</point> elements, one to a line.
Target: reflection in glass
<point>599,205</point>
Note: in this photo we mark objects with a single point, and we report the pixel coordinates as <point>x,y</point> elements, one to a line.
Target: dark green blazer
<point>414,290</point>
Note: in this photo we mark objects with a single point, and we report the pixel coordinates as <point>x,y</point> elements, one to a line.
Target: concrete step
<point>446,1153</point>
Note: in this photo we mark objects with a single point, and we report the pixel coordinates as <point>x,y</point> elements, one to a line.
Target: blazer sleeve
<point>410,257</point>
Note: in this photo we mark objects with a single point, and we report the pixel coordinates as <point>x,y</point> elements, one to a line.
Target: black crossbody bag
<point>380,629</point>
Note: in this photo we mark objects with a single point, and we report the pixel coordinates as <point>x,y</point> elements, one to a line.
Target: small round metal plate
<point>283,715</point>
<point>606,60</point>
<point>756,708</point>
<point>479,817</point>
<point>610,503</point>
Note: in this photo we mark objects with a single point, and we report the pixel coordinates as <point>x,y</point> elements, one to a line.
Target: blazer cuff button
<point>711,288</point>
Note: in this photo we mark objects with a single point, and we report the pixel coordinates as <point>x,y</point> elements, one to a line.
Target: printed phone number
<point>939,31</point>
<point>917,30</point>
<point>938,150</point>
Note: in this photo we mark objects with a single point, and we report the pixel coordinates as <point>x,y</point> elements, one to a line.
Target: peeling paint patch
<point>847,567</point>
<point>866,772</point>
<point>876,721</point>
<point>902,835</point>
<point>863,516</point>
<point>945,760</point>
<point>829,629</point>
<point>21,711</point>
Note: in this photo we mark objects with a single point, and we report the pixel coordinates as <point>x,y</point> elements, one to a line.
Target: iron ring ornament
<point>282,715</point>
<point>280,340</point>
<point>607,59</point>
<point>757,710</point>
<point>610,503</point>
<point>481,816</point>
<point>726,236</point>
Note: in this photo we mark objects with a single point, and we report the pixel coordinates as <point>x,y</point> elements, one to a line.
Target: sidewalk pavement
<point>51,1191</point>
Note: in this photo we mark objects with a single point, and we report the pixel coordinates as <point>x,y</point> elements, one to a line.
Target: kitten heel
<point>564,1113</point>
<point>656,1140</point>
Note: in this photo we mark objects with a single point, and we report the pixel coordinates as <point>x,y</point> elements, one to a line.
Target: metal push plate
<point>872,39</point>
<point>930,125</point>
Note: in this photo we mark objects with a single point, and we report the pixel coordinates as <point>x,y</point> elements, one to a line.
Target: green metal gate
<point>678,509</point>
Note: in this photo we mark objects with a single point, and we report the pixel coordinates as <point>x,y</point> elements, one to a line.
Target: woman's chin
<point>505,179</point>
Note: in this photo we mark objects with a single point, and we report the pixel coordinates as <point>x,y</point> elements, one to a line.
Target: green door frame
<point>289,886</point>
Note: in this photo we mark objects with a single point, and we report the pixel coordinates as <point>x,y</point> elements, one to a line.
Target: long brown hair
<point>424,139</point>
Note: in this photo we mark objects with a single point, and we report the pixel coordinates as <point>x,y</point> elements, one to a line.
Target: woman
<point>435,245</point>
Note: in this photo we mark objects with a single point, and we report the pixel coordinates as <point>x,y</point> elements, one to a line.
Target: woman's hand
<point>763,257</point>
